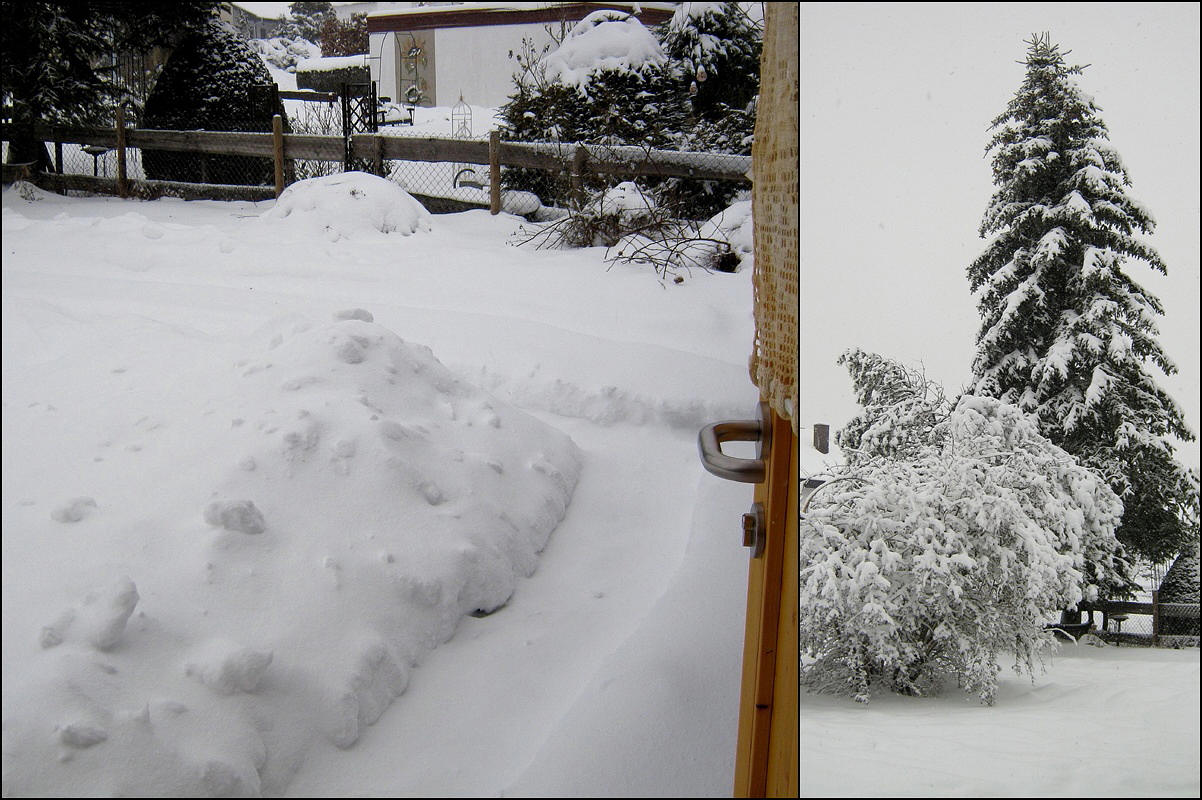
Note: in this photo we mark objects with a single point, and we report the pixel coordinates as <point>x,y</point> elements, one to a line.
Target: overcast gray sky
<point>896,100</point>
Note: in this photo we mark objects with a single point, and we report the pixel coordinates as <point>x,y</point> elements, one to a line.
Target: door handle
<point>744,470</point>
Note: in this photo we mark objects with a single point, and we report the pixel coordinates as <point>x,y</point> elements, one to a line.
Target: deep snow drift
<point>363,500</point>
<point>257,480</point>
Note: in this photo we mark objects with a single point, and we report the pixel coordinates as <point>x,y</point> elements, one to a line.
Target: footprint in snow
<point>73,510</point>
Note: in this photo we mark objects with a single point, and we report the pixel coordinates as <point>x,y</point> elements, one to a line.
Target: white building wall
<point>475,62</point>
<point>384,68</point>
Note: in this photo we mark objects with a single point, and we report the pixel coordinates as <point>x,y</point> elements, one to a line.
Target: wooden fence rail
<point>575,159</point>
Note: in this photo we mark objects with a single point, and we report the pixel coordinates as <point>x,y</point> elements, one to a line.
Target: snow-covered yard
<point>259,474</point>
<point>1102,722</point>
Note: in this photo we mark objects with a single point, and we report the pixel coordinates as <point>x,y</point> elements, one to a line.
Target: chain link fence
<point>315,118</point>
<point>557,181</point>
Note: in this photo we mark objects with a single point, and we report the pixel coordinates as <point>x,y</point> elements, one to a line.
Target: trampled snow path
<point>188,403</point>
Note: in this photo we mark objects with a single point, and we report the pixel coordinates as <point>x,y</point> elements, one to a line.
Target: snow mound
<point>626,201</point>
<point>235,515</point>
<point>349,205</point>
<point>397,498</point>
<point>604,40</point>
<point>733,224</point>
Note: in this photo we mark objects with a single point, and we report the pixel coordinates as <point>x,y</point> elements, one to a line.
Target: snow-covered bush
<point>608,82</point>
<point>608,216</point>
<point>283,53</point>
<point>671,245</point>
<point>956,532</point>
<point>716,49</point>
<point>214,81</point>
<point>613,81</point>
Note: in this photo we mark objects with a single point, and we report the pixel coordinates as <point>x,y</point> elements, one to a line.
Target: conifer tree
<point>1067,334</point>
<point>54,56</point>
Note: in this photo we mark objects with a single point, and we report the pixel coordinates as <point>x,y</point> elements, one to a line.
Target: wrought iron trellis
<point>360,114</point>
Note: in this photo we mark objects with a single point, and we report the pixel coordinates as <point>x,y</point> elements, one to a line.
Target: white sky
<point>896,100</point>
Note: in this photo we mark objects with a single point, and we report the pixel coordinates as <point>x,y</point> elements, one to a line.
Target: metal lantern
<point>461,120</point>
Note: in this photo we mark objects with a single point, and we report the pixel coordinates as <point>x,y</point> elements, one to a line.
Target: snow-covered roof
<point>265,10</point>
<point>276,10</point>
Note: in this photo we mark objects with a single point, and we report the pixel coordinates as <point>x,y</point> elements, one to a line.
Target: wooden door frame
<point>767,756</point>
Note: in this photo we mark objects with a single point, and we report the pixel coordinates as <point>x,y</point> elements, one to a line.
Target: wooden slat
<point>413,148</point>
<point>104,137</point>
<point>233,143</point>
<point>521,154</point>
<point>312,147</point>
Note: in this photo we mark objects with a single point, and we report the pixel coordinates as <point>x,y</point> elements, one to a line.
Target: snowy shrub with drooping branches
<point>935,559</point>
<point>900,407</point>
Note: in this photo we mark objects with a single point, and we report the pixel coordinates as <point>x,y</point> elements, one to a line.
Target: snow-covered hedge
<point>605,40</point>
<point>328,74</point>
<point>938,553</point>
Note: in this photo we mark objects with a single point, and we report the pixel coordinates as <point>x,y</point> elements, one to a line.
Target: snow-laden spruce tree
<point>715,48</point>
<point>1067,335</point>
<point>214,80</point>
<point>955,533</point>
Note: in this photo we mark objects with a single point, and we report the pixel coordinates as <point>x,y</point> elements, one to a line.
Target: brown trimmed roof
<point>476,17</point>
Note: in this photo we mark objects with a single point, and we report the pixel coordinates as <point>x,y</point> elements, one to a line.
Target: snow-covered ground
<point>1103,722</point>
<point>258,475</point>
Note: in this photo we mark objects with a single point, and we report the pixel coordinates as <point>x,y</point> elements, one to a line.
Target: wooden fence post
<point>58,157</point>
<point>578,159</point>
<point>494,172</point>
<point>1155,618</point>
<point>277,140</point>
<point>122,182</point>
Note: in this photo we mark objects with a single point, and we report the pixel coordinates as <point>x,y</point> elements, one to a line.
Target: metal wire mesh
<point>444,186</point>
<point>213,168</point>
<point>315,119</point>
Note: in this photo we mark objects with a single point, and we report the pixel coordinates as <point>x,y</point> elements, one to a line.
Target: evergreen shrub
<point>213,81</point>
